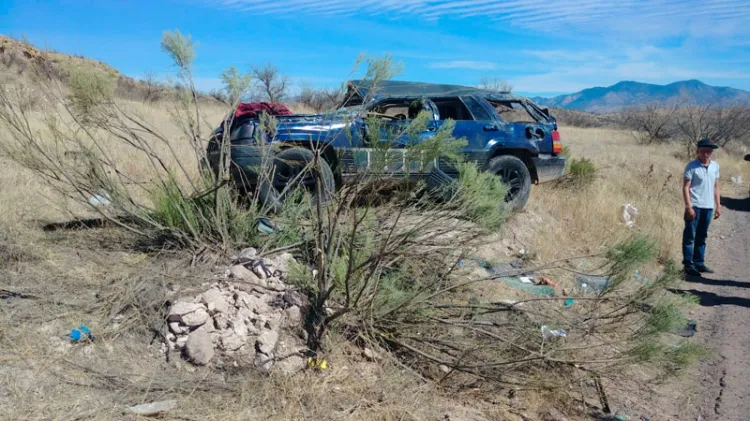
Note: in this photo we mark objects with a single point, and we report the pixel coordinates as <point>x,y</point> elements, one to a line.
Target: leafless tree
<point>320,99</point>
<point>720,124</point>
<point>652,123</point>
<point>271,84</point>
<point>495,84</point>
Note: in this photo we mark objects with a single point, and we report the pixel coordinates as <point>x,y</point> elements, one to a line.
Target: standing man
<point>700,191</point>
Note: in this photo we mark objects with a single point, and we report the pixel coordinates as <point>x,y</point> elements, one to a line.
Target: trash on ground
<point>548,281</point>
<point>8,295</point>
<point>153,408</point>
<point>628,214</point>
<point>78,334</point>
<point>518,283</point>
<point>622,417</point>
<point>642,279</point>
<point>688,330</point>
<point>100,200</point>
<point>526,279</point>
<point>736,179</point>
<point>590,283</point>
<point>266,226</point>
<point>315,363</point>
<point>549,333</point>
<point>569,302</point>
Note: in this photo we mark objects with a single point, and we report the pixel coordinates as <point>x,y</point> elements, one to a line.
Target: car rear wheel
<point>516,176</point>
<point>292,170</point>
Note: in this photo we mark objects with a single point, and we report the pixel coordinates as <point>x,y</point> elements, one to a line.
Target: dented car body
<point>505,133</point>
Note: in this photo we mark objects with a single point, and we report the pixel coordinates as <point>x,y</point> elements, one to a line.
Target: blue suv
<point>506,134</point>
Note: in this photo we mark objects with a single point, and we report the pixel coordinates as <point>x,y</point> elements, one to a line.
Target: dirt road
<point>724,316</point>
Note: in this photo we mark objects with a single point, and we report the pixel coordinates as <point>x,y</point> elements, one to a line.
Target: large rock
<point>153,408</point>
<point>199,348</point>
<point>231,341</point>
<point>191,314</point>
<point>267,342</point>
<point>282,261</point>
<point>290,365</point>
<point>182,307</point>
<point>247,255</point>
<point>242,273</point>
<point>195,318</point>
<point>215,301</point>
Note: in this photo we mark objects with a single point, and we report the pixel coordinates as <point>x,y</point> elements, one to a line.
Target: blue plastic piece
<point>77,334</point>
<point>569,302</point>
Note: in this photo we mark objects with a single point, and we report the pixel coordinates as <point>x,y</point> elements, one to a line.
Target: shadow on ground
<point>742,205</point>
<point>717,282</point>
<point>709,299</point>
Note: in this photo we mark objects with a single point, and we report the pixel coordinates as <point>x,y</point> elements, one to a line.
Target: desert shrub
<point>89,88</point>
<point>579,172</point>
<point>582,170</point>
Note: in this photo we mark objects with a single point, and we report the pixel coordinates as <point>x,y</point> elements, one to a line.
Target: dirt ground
<point>718,387</point>
<point>724,315</point>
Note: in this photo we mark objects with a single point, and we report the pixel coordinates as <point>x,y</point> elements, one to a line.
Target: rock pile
<point>250,316</point>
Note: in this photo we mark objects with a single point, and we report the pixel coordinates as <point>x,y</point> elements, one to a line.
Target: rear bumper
<point>548,167</point>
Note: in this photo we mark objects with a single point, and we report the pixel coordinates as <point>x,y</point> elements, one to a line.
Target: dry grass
<point>89,277</point>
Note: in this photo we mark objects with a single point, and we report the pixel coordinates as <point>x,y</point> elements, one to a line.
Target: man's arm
<point>717,199</point>
<point>689,211</point>
<point>686,193</point>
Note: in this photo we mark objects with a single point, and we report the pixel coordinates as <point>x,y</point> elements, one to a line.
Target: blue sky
<point>543,47</point>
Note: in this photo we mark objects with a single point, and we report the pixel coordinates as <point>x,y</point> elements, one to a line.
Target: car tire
<point>516,175</point>
<point>287,164</point>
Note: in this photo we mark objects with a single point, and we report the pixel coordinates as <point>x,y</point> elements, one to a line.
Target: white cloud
<point>464,64</point>
<point>637,17</point>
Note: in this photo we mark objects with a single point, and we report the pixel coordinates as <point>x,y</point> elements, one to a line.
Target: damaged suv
<point>506,134</point>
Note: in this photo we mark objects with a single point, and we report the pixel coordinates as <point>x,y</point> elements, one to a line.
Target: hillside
<point>23,63</point>
<point>628,93</point>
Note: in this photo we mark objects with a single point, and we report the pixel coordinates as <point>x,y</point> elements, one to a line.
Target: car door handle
<point>489,128</point>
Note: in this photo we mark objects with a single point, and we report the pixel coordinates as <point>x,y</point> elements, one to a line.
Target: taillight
<point>556,144</point>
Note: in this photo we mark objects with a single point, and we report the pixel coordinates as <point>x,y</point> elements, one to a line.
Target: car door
<point>473,122</point>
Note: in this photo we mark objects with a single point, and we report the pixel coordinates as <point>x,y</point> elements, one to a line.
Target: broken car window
<point>513,112</point>
<point>453,108</point>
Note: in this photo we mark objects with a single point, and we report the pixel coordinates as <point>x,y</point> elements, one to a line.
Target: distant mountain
<point>628,93</point>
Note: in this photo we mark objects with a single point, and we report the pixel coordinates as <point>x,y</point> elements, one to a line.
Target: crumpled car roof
<point>359,89</point>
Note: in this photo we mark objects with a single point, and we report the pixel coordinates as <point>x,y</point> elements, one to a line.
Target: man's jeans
<point>694,238</point>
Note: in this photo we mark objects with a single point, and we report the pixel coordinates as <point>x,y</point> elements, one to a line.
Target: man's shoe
<point>691,271</point>
<point>704,269</point>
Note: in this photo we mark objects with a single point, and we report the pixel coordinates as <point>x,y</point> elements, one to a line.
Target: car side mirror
<point>747,157</point>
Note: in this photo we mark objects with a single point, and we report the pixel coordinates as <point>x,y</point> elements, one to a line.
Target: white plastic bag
<point>628,214</point>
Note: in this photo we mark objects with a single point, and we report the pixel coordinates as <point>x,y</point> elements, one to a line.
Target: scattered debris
<point>530,287</point>
<point>526,280</point>
<point>370,354</point>
<point>736,179</point>
<point>589,283</point>
<point>628,214</point>
<point>8,295</point>
<point>691,326</point>
<point>548,281</point>
<point>315,363</point>
<point>153,408</point>
<point>548,333</point>
<point>78,334</point>
<point>569,303</point>
<point>100,200</point>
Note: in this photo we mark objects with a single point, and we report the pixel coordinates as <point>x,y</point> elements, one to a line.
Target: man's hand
<point>717,212</point>
<point>689,214</point>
